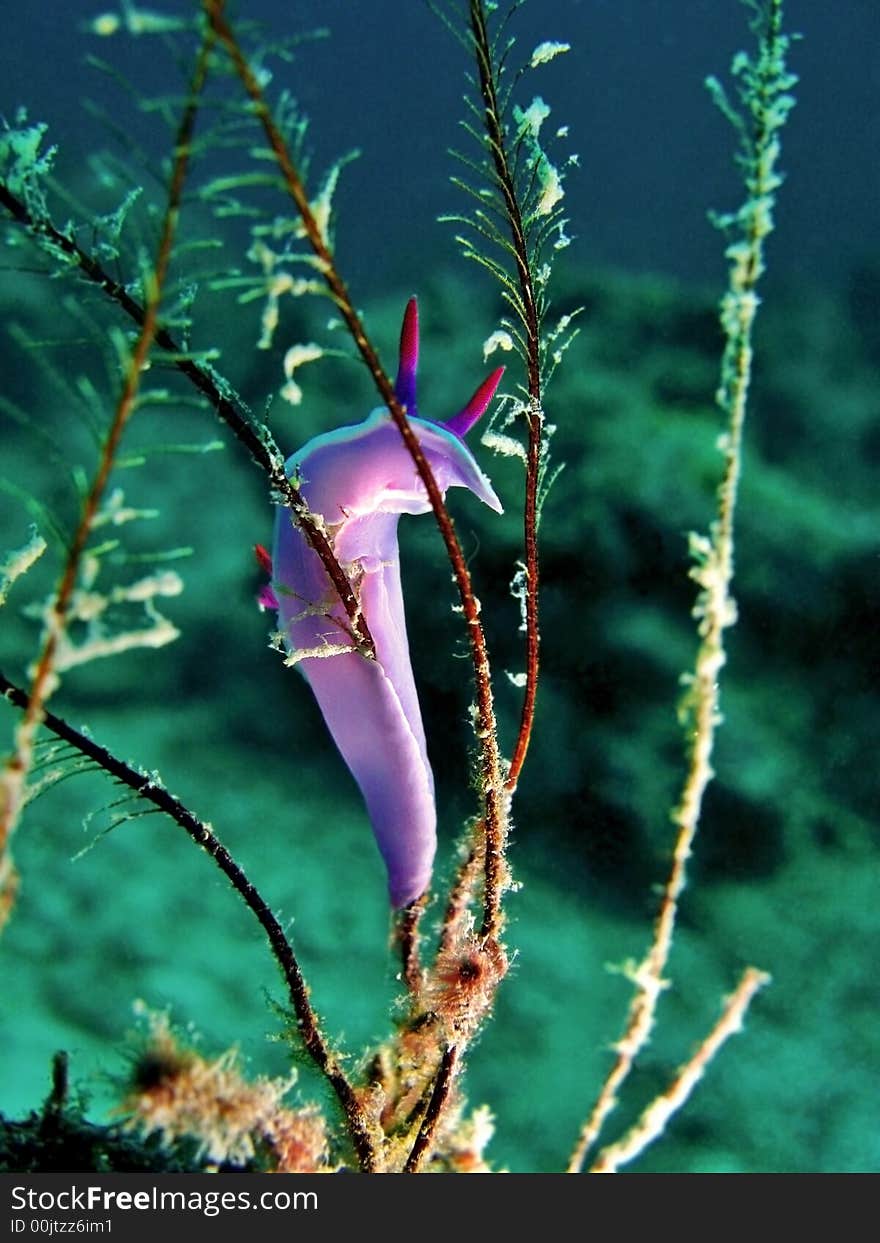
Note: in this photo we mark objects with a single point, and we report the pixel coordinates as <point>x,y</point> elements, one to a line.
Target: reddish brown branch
<point>487,732</point>
<point>534,415</point>
<point>460,898</point>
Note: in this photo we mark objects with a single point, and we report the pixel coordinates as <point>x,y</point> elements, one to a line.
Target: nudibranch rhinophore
<point>358,480</point>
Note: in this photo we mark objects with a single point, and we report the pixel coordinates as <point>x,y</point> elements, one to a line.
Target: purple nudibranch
<point>359,479</point>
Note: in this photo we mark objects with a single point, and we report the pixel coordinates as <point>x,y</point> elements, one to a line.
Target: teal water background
<point>786,866</point>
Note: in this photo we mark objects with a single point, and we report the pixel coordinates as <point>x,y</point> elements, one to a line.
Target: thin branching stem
<point>491,781</point>
<point>528,302</point>
<point>407,934</point>
<point>715,609</point>
<point>147,786</point>
<point>439,1096</point>
<point>460,896</point>
<point>653,1120</point>
<point>44,676</point>
<point>220,395</point>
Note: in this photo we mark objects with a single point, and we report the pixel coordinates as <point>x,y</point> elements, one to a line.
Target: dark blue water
<point>654,153</point>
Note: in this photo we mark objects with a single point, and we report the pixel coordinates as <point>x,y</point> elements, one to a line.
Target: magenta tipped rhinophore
<point>462,422</point>
<point>359,479</point>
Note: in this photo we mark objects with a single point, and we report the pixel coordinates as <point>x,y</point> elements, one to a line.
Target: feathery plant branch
<point>495,134</point>
<point>44,677</point>
<point>490,763</point>
<point>530,313</point>
<point>465,975</point>
<point>34,218</point>
<point>653,1120</point>
<point>220,395</point>
<point>764,85</point>
<point>147,786</point>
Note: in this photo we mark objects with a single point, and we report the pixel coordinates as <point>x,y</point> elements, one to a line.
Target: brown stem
<point>228,406</point>
<point>407,936</point>
<point>460,897</point>
<point>715,609</point>
<point>147,787</point>
<point>41,681</point>
<point>487,730</point>
<point>434,1112</point>
<point>534,415</point>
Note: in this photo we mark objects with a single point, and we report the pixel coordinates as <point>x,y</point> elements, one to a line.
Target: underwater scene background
<point>785,871</point>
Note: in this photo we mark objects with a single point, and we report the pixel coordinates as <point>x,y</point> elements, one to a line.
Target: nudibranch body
<point>358,480</point>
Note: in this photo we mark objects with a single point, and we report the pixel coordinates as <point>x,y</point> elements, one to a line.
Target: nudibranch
<point>358,480</point>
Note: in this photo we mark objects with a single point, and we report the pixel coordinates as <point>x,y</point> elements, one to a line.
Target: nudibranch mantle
<point>358,480</point>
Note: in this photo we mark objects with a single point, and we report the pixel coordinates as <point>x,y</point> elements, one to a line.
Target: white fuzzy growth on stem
<point>19,562</point>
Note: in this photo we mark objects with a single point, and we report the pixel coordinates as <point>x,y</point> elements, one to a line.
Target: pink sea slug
<point>359,479</point>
